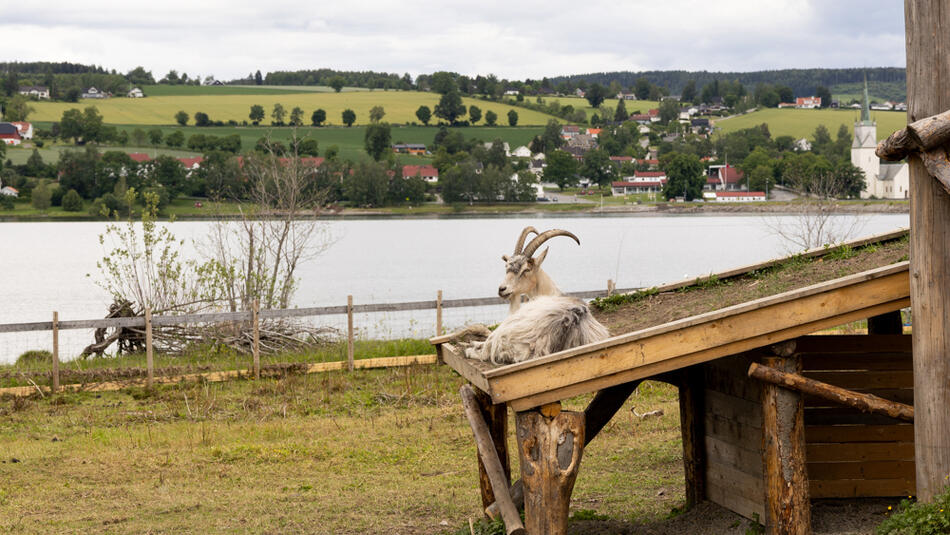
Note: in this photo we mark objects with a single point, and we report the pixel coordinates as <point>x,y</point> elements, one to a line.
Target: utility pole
<point>927,32</point>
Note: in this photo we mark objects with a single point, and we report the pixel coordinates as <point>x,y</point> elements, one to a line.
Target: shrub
<point>71,201</point>
<point>56,196</point>
<point>6,202</point>
<point>34,356</point>
<point>915,518</point>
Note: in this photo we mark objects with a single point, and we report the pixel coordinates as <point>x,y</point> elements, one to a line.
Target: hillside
<point>802,123</point>
<point>400,107</point>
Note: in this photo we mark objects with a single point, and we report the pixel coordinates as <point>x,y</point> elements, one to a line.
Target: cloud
<point>229,39</point>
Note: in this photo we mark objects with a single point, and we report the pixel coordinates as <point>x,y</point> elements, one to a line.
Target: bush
<point>56,196</point>
<point>34,356</point>
<point>914,518</point>
<point>71,201</point>
<point>6,202</point>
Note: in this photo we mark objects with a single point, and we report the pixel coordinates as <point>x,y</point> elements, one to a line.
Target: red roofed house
<point>641,118</point>
<point>25,129</point>
<point>808,102</point>
<point>640,182</point>
<point>427,172</point>
<point>620,160</point>
<point>569,131</point>
<point>191,164</point>
<point>10,134</point>
<point>652,163</point>
<point>139,157</point>
<point>724,178</point>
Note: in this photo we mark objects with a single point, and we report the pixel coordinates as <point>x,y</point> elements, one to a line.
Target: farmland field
<point>164,90</point>
<point>802,123</point>
<point>400,107</point>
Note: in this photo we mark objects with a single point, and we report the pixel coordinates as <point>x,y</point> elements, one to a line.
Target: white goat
<point>523,273</point>
<point>549,322</point>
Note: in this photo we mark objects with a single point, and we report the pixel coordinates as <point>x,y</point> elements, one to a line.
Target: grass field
<point>632,106</point>
<point>802,123</point>
<point>50,153</point>
<point>400,107</point>
<point>162,90</point>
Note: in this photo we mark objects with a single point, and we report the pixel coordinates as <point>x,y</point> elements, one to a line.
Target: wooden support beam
<point>889,323</point>
<point>488,455</point>
<point>862,402</point>
<point>496,418</point>
<point>350,337</point>
<point>256,341</point>
<point>927,31</point>
<point>598,413</point>
<point>787,503</point>
<point>55,370</point>
<point>149,355</point>
<point>692,417</point>
<point>550,450</point>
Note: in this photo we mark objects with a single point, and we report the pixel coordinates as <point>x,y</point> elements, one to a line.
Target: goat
<point>549,322</point>
<point>523,273</point>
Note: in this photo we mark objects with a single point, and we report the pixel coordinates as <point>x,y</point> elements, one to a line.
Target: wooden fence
<point>254,316</point>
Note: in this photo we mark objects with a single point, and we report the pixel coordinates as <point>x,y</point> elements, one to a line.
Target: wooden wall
<point>849,453</point>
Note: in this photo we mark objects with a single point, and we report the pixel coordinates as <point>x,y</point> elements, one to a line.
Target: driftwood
<point>130,340</point>
<point>857,400</point>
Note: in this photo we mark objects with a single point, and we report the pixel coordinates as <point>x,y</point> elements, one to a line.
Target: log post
<point>550,450</point>
<point>55,364</point>
<point>787,500</point>
<point>610,287</point>
<point>496,418</point>
<point>692,417</point>
<point>492,464</point>
<point>438,314</point>
<point>350,338</point>
<point>256,348</point>
<point>927,31</point>
<point>149,357</point>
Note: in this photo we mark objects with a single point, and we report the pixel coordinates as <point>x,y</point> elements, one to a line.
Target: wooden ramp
<point>689,341</point>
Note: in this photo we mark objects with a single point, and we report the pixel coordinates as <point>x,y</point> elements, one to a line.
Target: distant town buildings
<point>881,180</point>
<point>38,92</point>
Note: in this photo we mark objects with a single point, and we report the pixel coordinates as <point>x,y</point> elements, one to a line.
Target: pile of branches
<point>275,335</point>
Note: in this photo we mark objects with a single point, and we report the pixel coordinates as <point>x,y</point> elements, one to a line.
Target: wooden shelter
<point>821,416</point>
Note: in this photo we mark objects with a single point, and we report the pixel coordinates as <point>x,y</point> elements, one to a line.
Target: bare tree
<point>817,221</point>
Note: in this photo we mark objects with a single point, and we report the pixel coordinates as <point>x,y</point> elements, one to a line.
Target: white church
<point>882,180</point>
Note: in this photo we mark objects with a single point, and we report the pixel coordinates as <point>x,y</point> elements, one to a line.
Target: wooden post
<point>787,500</point>
<point>492,464</point>
<point>610,287</point>
<point>550,450</point>
<point>927,31</point>
<point>149,360</point>
<point>692,417</point>
<point>256,348</point>
<point>349,332</point>
<point>496,418</point>
<point>438,314</point>
<point>55,370</point>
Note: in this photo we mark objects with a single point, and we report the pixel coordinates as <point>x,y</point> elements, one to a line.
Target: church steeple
<point>866,105</point>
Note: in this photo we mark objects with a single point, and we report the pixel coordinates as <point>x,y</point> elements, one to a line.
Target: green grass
<point>50,153</point>
<point>802,123</point>
<point>400,107</point>
<point>162,90</point>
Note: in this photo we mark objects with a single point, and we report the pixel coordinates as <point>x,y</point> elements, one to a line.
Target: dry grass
<point>369,452</point>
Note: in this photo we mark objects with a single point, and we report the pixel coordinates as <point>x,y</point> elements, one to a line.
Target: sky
<point>512,39</point>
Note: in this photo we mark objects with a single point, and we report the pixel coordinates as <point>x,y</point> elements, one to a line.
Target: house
<point>620,160</point>
<point>724,178</point>
<point>191,164</point>
<point>900,106</point>
<point>735,196</point>
<point>135,93</point>
<point>38,92</point>
<point>568,131</point>
<point>641,118</point>
<point>92,92</point>
<point>808,103</point>
<point>624,95</point>
<point>512,92</point>
<point>10,134</point>
<point>521,152</point>
<point>786,105</point>
<point>416,149</point>
<point>652,163</point>
<point>139,157</point>
<point>216,82</point>
<point>579,92</point>
<point>426,172</point>
<point>504,145</point>
<point>802,145</point>
<point>699,125</point>
<point>640,182</point>
<point>25,129</point>
<point>885,106</point>
<point>594,132</point>
<point>9,191</point>
<point>654,115</point>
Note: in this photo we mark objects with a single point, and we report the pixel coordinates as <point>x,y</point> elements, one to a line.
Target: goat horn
<point>519,245</point>
<point>545,236</point>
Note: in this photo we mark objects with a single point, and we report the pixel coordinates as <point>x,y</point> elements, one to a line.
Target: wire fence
<point>46,355</point>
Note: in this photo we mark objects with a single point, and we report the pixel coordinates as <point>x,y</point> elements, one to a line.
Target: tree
<point>35,165</point>
<point>41,196</point>
<point>72,202</point>
<point>474,114</point>
<point>318,117</point>
<point>167,172</point>
<point>175,139</point>
<point>491,118</point>
<point>71,125</point>
<point>595,95</point>
<point>821,141</point>
<point>202,119</point>
<point>684,176</point>
<point>296,116</point>
<point>139,76</point>
<point>443,82</point>
<point>424,114</point>
<point>258,79</point>
<point>181,117</point>
<point>376,114</point>
<point>561,168</point>
<point>642,88</point>
<point>620,114</point>
<point>337,83</point>
<point>377,140</point>
<point>689,91</point>
<point>278,114</point>
<point>155,136</point>
<point>368,185</point>
<point>459,183</point>
<point>669,111</point>
<point>17,108</point>
<point>257,114</point>
<point>308,147</point>
<point>512,118</point>
<point>450,107</point>
<point>598,167</point>
<point>349,117</point>
<point>824,94</point>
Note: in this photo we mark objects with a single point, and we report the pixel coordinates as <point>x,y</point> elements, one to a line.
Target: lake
<point>52,266</point>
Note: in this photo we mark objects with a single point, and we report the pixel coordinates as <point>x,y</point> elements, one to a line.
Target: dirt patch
<point>648,309</point>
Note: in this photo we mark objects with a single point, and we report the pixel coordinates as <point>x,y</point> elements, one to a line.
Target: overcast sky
<point>513,39</point>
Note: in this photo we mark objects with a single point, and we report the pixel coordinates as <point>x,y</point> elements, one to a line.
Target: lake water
<point>52,266</point>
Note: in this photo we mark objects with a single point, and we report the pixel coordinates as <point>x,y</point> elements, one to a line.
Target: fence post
<point>149,361</point>
<point>349,332</point>
<point>256,348</point>
<point>611,286</point>
<point>438,314</point>
<point>55,351</point>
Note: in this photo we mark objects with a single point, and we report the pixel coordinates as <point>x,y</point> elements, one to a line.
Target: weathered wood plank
<point>814,362</point>
<point>838,344</point>
<point>726,497</point>
<point>861,470</point>
<point>735,455</point>
<point>901,432</point>
<point>692,410</point>
<point>866,379</point>
<point>845,416</point>
<point>732,408</point>
<point>750,487</point>
<point>862,488</point>
<point>860,451</point>
<point>465,367</point>
<point>899,395</point>
<point>733,432</point>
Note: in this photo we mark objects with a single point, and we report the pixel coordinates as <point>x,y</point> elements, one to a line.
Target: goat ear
<point>504,257</point>
<point>540,258</point>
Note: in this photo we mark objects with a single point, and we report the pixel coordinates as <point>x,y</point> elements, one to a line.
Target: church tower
<point>863,147</point>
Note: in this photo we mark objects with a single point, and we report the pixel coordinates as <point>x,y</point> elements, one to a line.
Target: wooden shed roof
<point>697,338</point>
